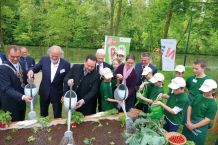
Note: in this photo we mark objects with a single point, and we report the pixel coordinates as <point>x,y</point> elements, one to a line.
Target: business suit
<point>3,57</point>
<point>11,91</point>
<point>99,94</point>
<point>51,92</point>
<point>28,62</point>
<point>86,87</point>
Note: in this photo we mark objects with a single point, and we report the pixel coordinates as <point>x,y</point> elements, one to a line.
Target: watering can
<point>121,92</point>
<point>70,94</point>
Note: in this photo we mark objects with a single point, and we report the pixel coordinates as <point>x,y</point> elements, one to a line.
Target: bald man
<point>54,68</point>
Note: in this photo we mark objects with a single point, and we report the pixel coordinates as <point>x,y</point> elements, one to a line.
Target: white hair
<point>58,48</point>
<point>100,51</point>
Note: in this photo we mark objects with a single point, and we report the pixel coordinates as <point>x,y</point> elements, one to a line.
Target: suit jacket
<point>86,87</point>
<point>10,89</point>
<point>28,62</point>
<point>139,69</point>
<point>3,57</point>
<point>51,90</point>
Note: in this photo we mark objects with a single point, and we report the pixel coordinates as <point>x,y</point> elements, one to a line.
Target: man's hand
<point>157,103</point>
<point>30,74</point>
<point>27,99</point>
<point>80,103</point>
<point>70,82</point>
<point>62,99</point>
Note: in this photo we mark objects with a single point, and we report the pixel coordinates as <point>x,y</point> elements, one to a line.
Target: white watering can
<point>70,94</point>
<point>121,92</point>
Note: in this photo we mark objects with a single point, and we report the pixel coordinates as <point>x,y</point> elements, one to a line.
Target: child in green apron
<point>141,104</point>
<point>154,88</point>
<point>177,101</point>
<point>193,83</point>
<point>106,89</point>
<point>200,113</point>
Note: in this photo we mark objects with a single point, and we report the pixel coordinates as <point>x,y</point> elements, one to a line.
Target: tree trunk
<point>1,31</point>
<point>112,18</point>
<point>168,20</point>
<point>118,17</point>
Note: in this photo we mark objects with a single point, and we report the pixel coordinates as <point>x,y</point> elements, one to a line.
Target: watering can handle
<point>70,96</point>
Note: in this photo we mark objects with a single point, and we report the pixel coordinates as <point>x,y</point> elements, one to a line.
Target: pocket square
<point>62,71</point>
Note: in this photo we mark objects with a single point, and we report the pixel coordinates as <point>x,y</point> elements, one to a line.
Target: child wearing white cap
<point>147,75</point>
<point>176,104</point>
<point>106,89</point>
<point>200,113</point>
<point>154,88</point>
<point>179,70</point>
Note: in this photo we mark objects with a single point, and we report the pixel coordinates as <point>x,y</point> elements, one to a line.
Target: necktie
<point>26,65</point>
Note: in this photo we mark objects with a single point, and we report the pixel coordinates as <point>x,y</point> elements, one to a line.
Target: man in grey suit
<point>85,81</point>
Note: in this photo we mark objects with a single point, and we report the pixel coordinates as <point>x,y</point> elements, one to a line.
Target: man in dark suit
<point>2,58</point>
<point>54,69</point>
<point>100,64</point>
<point>27,60</point>
<point>85,81</point>
<point>12,78</point>
<point>145,62</point>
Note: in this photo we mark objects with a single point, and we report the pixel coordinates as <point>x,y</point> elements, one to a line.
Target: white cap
<point>158,77</point>
<point>146,70</point>
<point>121,52</point>
<point>106,72</point>
<point>180,68</point>
<point>208,85</point>
<point>177,82</point>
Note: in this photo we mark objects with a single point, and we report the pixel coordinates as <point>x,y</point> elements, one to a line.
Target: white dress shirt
<point>0,61</point>
<point>54,68</point>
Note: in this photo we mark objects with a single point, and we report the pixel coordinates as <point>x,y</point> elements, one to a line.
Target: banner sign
<point>168,47</point>
<point>113,44</point>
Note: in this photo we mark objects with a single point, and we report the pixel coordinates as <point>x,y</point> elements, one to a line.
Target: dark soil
<point>106,132</point>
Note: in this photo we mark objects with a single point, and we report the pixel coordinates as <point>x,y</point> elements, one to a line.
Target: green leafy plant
<point>77,117</point>
<point>49,138</point>
<point>44,121</point>
<point>35,129</point>
<point>48,130</point>
<point>122,120</point>
<point>8,138</point>
<point>189,142</point>
<point>110,112</point>
<point>88,141</point>
<point>31,138</point>
<point>146,131</point>
<point>5,117</point>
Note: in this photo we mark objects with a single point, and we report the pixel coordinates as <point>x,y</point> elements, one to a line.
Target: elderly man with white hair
<point>54,68</point>
<point>100,64</point>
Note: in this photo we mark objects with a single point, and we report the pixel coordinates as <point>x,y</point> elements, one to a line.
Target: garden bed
<point>102,132</point>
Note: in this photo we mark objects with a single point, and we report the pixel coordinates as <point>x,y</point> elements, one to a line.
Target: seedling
<point>49,130</point>
<point>109,132</point>
<point>107,123</point>
<point>112,143</point>
<point>89,141</point>
<point>44,121</point>
<point>8,137</point>
<point>14,130</point>
<point>49,138</point>
<point>35,129</point>
<point>31,138</point>
<point>99,125</point>
<point>122,120</point>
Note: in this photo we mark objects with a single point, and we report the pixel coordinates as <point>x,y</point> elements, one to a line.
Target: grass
<point>76,55</point>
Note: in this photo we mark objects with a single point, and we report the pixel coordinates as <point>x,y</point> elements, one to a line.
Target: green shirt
<point>179,100</point>
<point>193,84</point>
<point>106,92</point>
<point>153,91</point>
<point>203,107</point>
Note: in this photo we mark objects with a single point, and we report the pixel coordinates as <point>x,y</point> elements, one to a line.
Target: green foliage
<point>5,117</point>
<point>8,138</point>
<point>77,117</point>
<point>147,131</point>
<point>44,121</point>
<point>88,141</point>
<point>189,142</point>
<point>110,112</point>
<point>122,120</point>
<point>31,138</point>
